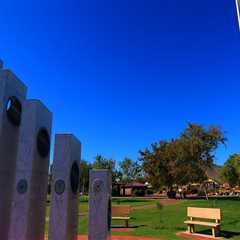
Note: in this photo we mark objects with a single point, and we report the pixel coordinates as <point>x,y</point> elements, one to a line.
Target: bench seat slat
<point>210,224</point>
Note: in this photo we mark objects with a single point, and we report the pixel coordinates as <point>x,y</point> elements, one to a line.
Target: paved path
<point>195,236</point>
<point>122,238</point>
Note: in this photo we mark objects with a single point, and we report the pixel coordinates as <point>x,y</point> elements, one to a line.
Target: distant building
<point>129,188</point>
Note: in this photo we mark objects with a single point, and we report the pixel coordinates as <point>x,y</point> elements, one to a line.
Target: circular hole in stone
<point>74,177</point>
<point>43,142</point>
<point>14,111</point>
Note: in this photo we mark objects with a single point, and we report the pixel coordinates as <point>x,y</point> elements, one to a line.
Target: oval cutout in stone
<point>74,177</point>
<point>14,111</point>
<point>43,142</point>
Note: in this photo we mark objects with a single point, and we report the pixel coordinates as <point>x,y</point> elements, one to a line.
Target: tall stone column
<point>65,188</point>
<point>12,97</point>
<point>100,191</point>
<point>30,189</point>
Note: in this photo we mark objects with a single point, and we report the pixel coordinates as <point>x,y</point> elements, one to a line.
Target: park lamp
<point>238,12</point>
<point>1,63</point>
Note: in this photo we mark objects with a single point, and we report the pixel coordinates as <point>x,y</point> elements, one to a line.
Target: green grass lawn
<point>165,222</point>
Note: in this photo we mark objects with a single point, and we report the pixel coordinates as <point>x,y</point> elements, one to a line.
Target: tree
<point>130,170</point>
<point>230,172</point>
<point>84,176</point>
<point>103,163</point>
<point>182,160</point>
<point>156,164</point>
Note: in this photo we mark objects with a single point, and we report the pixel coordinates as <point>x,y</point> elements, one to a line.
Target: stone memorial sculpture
<point>12,97</point>
<point>65,188</point>
<point>25,134</point>
<point>100,189</point>
<point>30,189</point>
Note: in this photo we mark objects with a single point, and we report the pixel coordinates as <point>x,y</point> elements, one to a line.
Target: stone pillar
<point>12,96</point>
<point>100,191</point>
<point>65,188</point>
<point>30,189</point>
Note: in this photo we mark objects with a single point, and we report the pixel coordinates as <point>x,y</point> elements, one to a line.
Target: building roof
<point>135,184</point>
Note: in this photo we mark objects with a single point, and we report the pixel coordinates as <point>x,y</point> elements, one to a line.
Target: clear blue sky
<point>123,74</point>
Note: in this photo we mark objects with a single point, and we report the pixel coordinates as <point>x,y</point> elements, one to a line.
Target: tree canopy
<point>103,163</point>
<point>184,159</point>
<point>130,170</point>
<point>230,172</point>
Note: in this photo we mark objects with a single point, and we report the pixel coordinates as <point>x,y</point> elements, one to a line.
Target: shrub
<point>149,192</point>
<point>171,194</point>
<point>139,192</point>
<point>115,191</point>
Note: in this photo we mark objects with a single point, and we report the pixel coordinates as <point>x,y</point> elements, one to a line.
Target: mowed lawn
<point>163,223</point>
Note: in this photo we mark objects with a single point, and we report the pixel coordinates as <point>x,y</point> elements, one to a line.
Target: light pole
<point>238,11</point>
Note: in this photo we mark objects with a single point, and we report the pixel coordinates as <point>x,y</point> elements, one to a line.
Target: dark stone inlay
<point>22,186</point>
<point>97,186</point>
<point>59,187</point>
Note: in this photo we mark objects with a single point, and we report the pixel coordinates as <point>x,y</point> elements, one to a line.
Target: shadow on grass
<point>130,227</point>
<point>224,234</point>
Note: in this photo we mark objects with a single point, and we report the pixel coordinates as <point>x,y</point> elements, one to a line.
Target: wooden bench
<point>121,213</point>
<point>209,217</point>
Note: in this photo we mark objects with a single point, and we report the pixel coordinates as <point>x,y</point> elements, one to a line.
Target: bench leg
<point>214,232</point>
<point>127,224</point>
<point>193,229</point>
<point>190,228</point>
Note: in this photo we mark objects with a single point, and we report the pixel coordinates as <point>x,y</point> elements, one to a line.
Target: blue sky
<point>123,74</point>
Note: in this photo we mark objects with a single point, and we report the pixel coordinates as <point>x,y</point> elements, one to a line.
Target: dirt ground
<point>121,238</point>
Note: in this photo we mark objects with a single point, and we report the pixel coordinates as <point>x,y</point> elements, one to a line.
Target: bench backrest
<point>204,213</point>
<point>121,211</point>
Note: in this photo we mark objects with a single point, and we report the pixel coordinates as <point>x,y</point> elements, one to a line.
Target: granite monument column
<point>12,97</point>
<point>30,189</point>
<point>65,188</point>
<point>100,191</point>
